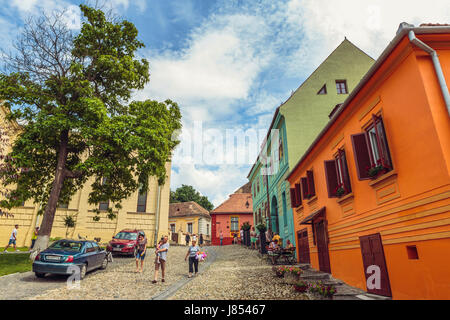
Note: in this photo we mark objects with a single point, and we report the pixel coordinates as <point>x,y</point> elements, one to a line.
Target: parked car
<point>61,257</point>
<point>124,242</point>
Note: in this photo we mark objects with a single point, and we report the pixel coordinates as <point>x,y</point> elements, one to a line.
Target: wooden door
<point>175,237</point>
<point>322,246</point>
<point>373,255</point>
<point>303,246</point>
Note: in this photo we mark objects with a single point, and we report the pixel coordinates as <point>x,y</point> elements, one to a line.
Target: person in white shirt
<point>13,238</point>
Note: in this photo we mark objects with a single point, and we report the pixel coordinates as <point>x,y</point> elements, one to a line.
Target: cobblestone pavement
<point>122,283</point>
<point>25,285</point>
<point>237,273</point>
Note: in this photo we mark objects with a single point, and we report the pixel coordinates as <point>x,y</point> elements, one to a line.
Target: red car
<point>124,242</point>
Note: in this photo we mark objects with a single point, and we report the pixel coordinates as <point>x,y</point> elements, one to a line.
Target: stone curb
<point>181,283</point>
<point>26,273</point>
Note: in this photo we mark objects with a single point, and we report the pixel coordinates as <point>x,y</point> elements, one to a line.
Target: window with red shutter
<point>293,199</point>
<point>311,186</point>
<point>298,195</point>
<point>304,183</point>
<point>362,157</point>
<point>331,177</point>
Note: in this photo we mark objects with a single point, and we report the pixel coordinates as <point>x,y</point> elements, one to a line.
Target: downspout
<point>157,215</point>
<point>437,66</point>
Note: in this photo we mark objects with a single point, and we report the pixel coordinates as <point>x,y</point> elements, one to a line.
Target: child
<point>157,248</point>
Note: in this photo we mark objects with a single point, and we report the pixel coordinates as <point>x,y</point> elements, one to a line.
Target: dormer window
<point>323,90</point>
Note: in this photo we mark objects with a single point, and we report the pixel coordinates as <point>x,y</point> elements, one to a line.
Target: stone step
<point>315,276</point>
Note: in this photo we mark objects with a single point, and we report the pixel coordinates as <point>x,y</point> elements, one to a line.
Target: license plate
<point>117,249</point>
<point>53,258</point>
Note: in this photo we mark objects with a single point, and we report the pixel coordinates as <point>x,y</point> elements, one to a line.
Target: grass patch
<point>11,249</point>
<point>13,263</point>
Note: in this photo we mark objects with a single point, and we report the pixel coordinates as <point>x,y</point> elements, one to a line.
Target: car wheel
<point>104,263</point>
<point>40,275</point>
<point>83,270</point>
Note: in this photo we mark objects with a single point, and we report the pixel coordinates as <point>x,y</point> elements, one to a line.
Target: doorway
<point>303,246</point>
<point>322,246</point>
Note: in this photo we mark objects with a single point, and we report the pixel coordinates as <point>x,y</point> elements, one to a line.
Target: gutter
<point>437,66</point>
<point>402,32</point>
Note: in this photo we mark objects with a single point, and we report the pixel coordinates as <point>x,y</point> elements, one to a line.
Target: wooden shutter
<point>298,194</point>
<point>304,183</point>
<point>293,198</point>
<point>331,175</point>
<point>362,157</point>
<point>311,187</point>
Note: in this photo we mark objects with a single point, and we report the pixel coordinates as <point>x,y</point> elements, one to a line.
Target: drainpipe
<point>437,66</point>
<point>157,215</point>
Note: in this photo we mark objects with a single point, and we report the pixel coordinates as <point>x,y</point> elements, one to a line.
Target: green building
<point>299,120</point>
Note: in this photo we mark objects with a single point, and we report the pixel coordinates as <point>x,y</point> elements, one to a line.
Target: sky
<point>230,63</point>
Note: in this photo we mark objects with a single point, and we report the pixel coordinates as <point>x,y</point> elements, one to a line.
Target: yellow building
<point>188,218</point>
<point>149,213</point>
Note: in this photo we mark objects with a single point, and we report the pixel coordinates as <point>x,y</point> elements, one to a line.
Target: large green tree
<point>188,193</point>
<point>72,94</point>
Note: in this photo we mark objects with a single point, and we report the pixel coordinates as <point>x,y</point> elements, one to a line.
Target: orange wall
<point>409,206</point>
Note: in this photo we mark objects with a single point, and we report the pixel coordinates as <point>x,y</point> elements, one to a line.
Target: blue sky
<point>230,63</point>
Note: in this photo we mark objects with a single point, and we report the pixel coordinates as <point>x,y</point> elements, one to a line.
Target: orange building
<point>374,187</point>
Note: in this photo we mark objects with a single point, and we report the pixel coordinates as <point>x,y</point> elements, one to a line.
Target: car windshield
<point>66,246</point>
<point>126,236</point>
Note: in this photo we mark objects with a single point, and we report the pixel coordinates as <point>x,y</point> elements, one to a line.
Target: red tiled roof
<point>184,209</point>
<point>434,25</point>
<point>236,204</point>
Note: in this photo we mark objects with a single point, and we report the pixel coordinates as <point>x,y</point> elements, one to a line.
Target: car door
<point>90,255</point>
<point>99,255</point>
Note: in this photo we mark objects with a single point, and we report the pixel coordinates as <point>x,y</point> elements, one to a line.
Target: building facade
<point>188,218</point>
<point>374,206</point>
<point>228,218</point>
<point>298,121</point>
<point>147,211</point>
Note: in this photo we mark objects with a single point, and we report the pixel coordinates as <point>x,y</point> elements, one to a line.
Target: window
<point>341,86</point>
<point>412,252</point>
<point>257,184</point>
<point>280,150</point>
<point>234,224</point>
<point>323,90</point>
<point>189,227</point>
<point>283,197</point>
<point>371,150</point>
<point>172,228</point>
<point>142,200</point>
<point>308,187</point>
<point>207,229</point>
<point>337,176</point>
<point>296,197</point>
<point>104,205</point>
<point>62,205</point>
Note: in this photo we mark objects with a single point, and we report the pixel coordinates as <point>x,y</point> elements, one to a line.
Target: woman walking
<point>141,250</point>
<point>162,258</point>
<point>253,238</point>
<point>193,261</point>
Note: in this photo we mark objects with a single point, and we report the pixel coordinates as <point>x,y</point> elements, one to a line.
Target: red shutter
<point>311,187</point>
<point>293,198</point>
<point>362,157</point>
<point>298,195</point>
<point>332,179</point>
<point>304,183</point>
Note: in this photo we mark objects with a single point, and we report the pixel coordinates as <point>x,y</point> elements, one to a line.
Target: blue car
<point>66,256</point>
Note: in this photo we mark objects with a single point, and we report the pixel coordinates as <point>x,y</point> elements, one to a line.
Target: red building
<point>231,215</point>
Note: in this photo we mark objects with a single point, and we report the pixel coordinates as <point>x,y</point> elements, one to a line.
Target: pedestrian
<point>193,261</point>
<point>221,238</point>
<point>235,238</point>
<point>194,237</point>
<point>162,252</point>
<point>242,236</point>
<point>201,239</point>
<point>141,251</point>
<point>268,236</point>
<point>34,237</point>
<point>253,238</point>
<point>188,239</point>
<point>13,238</point>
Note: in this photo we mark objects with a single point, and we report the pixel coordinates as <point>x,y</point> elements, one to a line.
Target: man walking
<point>188,239</point>
<point>13,238</point>
<point>162,254</point>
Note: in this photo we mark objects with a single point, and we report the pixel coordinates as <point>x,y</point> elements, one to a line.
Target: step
<point>315,276</point>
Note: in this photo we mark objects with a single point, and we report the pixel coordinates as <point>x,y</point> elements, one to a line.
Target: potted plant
<point>327,291</point>
<point>279,271</point>
<point>301,286</point>
<point>261,227</point>
<point>375,170</point>
<point>292,275</point>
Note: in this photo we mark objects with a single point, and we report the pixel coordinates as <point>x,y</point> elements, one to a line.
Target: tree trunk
<point>50,210</point>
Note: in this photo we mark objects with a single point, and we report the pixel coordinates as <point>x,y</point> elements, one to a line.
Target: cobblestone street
<point>231,272</point>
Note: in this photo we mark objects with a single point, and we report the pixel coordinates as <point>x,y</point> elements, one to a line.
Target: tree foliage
<point>188,193</point>
<point>72,94</point>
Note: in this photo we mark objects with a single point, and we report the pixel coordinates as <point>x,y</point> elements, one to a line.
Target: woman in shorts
<point>141,250</point>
